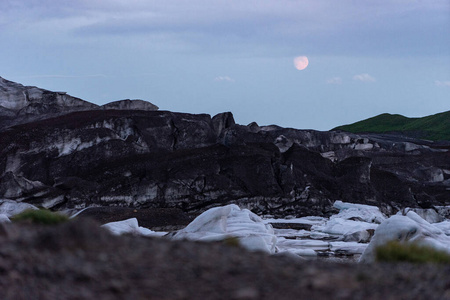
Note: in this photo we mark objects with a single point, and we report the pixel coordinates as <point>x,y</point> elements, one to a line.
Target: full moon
<point>301,62</point>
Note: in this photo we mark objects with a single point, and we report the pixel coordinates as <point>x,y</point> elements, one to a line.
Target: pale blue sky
<point>208,56</point>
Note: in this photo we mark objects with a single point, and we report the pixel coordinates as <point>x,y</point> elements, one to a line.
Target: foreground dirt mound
<point>80,260</point>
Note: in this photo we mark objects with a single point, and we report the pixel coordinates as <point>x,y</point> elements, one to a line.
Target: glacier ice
<point>10,208</point>
<point>406,229</point>
<point>220,223</point>
<point>130,226</point>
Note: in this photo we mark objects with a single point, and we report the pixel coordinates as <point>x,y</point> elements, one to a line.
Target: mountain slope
<point>21,104</point>
<point>434,127</point>
<point>30,99</point>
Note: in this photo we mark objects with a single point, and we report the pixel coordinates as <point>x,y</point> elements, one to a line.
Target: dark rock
<point>148,159</point>
<point>296,226</point>
<point>21,104</point>
<point>29,102</point>
<point>160,219</point>
<point>128,104</point>
<point>221,122</point>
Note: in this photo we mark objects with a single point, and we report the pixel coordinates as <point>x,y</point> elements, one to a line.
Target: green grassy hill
<point>435,127</point>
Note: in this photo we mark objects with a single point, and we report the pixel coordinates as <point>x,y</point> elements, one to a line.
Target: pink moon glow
<point>301,62</point>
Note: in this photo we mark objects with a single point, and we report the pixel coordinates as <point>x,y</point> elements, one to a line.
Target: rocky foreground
<point>78,259</point>
<point>126,160</point>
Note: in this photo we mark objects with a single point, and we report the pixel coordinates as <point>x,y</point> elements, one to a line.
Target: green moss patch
<point>40,216</point>
<point>410,252</point>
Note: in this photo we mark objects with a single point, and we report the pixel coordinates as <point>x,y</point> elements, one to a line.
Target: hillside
<point>434,127</point>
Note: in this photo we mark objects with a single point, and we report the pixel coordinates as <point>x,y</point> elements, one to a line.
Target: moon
<point>301,62</point>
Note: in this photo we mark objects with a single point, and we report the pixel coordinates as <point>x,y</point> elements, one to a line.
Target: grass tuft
<point>231,241</point>
<point>410,252</point>
<point>40,216</point>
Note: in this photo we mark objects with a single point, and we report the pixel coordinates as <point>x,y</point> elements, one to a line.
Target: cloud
<point>364,78</point>
<point>334,80</point>
<point>320,27</point>
<point>442,83</point>
<point>224,78</point>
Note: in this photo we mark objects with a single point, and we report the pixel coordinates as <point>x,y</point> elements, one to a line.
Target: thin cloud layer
<point>224,78</point>
<point>364,78</point>
<point>442,83</point>
<point>335,80</point>
<point>322,27</point>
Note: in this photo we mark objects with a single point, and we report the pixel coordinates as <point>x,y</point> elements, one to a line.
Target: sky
<point>212,56</point>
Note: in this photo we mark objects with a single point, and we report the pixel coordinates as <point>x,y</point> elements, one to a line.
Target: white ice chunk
<point>213,220</point>
<point>289,244</point>
<point>348,247</point>
<point>363,236</point>
<point>4,218</point>
<point>366,213</point>
<point>444,226</point>
<point>339,226</point>
<point>11,207</point>
<point>49,203</point>
<point>292,233</point>
<point>130,226</point>
<point>302,252</point>
<point>409,228</point>
<point>230,221</point>
<point>429,214</point>
<point>302,247</point>
<point>310,220</point>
